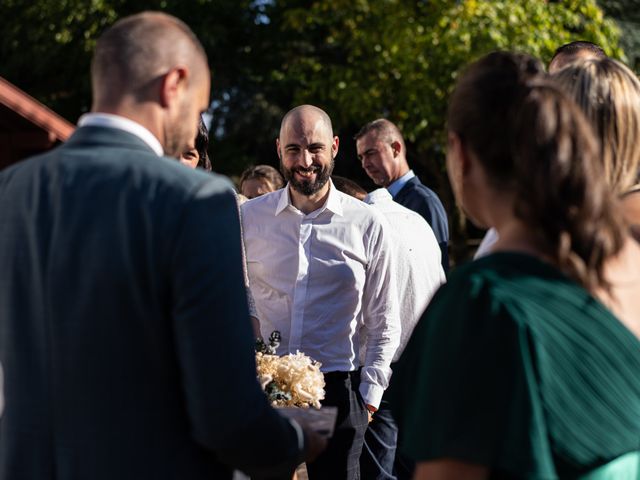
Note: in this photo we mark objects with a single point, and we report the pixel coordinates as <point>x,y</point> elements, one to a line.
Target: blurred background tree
<point>357,59</point>
<point>626,13</point>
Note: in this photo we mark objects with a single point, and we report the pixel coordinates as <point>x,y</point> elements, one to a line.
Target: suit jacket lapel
<point>404,191</point>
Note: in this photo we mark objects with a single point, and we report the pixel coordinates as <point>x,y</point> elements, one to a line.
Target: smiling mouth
<point>307,172</point>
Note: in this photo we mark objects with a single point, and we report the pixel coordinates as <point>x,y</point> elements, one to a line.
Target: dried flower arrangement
<point>290,380</point>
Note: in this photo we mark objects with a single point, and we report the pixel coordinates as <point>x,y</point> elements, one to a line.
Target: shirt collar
<point>396,186</point>
<point>109,120</point>
<point>333,203</point>
<point>377,196</point>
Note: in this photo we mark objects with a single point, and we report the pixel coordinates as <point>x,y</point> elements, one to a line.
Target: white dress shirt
<point>109,120</point>
<point>317,278</point>
<point>417,256</point>
<point>489,239</point>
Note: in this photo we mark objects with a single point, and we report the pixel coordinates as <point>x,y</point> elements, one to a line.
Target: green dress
<point>516,367</point>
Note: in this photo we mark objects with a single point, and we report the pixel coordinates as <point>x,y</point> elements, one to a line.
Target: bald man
<point>319,269</point>
<point>125,341</point>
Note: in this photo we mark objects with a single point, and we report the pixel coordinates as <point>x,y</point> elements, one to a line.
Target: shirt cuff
<point>371,394</point>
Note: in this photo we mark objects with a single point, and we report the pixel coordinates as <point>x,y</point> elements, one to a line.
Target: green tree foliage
<point>626,13</point>
<point>45,49</point>
<point>358,59</point>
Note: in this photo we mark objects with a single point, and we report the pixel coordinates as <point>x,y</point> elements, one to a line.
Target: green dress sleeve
<point>466,388</point>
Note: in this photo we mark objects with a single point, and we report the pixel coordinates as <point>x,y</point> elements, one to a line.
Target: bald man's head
<point>137,50</point>
<point>307,148</point>
<point>306,114</point>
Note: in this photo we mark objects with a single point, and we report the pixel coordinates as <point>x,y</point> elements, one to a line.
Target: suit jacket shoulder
<point>421,199</point>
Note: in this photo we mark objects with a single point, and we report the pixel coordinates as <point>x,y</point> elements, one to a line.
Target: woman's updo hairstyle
<point>533,141</point>
<point>481,108</point>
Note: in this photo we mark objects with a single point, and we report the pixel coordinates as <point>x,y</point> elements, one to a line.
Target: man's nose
<point>307,158</point>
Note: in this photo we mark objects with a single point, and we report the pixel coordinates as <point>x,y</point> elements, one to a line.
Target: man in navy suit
<point>382,151</point>
<point>124,331</point>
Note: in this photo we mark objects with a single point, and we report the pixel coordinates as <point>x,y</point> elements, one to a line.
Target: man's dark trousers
<point>380,459</point>
<point>341,459</point>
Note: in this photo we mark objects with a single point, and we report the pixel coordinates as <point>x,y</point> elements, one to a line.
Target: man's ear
<point>334,146</point>
<point>172,83</point>
<point>278,148</point>
<point>396,148</point>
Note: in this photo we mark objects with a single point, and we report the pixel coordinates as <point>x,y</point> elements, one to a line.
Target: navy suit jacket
<point>419,198</point>
<point>124,330</point>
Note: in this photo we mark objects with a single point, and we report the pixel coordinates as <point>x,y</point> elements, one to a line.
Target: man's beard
<point>308,187</point>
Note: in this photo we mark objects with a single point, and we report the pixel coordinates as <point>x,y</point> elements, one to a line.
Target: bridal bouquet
<point>292,380</point>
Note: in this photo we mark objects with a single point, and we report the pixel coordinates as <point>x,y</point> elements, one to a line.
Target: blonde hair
<point>609,94</point>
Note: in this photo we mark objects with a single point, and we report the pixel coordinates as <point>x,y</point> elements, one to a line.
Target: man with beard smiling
<point>319,269</point>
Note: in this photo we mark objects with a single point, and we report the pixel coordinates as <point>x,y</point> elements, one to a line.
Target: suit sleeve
<point>228,411</point>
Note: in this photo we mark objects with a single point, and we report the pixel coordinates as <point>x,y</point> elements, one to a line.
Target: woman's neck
<point>516,236</point>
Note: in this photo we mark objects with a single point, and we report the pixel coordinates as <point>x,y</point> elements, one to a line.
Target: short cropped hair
<point>577,46</point>
<point>573,48</point>
<point>135,50</point>
<point>386,131</point>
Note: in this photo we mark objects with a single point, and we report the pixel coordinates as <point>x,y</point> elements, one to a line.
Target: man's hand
<point>370,411</point>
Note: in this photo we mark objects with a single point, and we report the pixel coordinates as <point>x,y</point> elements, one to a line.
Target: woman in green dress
<point>527,362</point>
